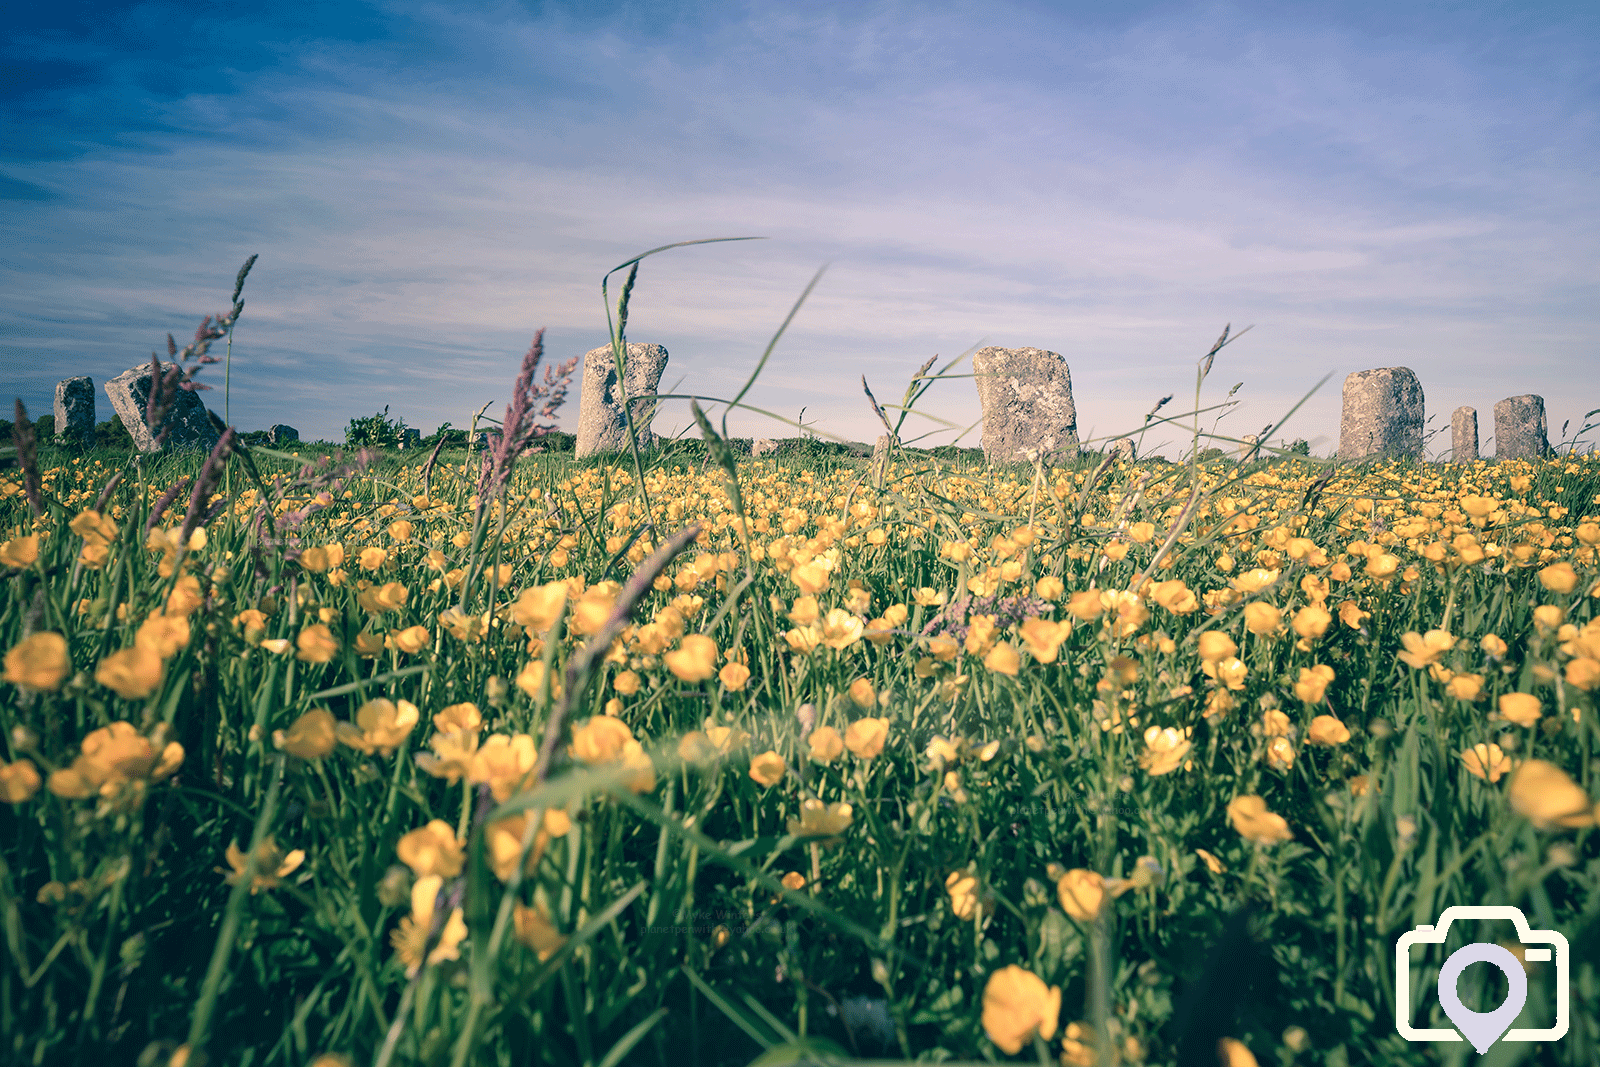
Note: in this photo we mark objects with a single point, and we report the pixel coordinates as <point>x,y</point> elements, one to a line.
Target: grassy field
<point>686,758</point>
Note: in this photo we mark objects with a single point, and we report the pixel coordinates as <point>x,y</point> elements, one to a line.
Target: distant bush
<point>112,434</point>
<point>376,431</point>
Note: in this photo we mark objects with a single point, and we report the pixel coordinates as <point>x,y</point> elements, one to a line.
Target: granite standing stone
<point>1464,435</point>
<point>75,412</point>
<point>282,435</point>
<point>763,446</point>
<point>186,423</point>
<point>880,458</point>
<point>601,426</point>
<point>1249,447</point>
<point>1382,415</point>
<point>1123,448</point>
<point>1520,429</point>
<point>1026,394</point>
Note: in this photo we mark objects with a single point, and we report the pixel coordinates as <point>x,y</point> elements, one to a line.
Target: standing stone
<point>1249,446</point>
<point>1520,429</point>
<point>282,435</point>
<point>1382,415</point>
<point>187,424</point>
<point>880,458</point>
<point>75,412</point>
<point>1464,435</point>
<point>601,426</point>
<point>1123,448</point>
<point>1026,394</point>
<point>410,438</point>
<point>763,446</point>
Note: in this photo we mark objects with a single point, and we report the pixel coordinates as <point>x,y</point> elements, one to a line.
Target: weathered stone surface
<point>1464,435</point>
<point>601,426</point>
<point>186,423</point>
<point>75,412</point>
<point>880,458</point>
<point>763,446</point>
<point>282,435</point>
<point>1382,415</point>
<point>1249,447</point>
<point>1520,428</point>
<point>410,438</point>
<point>1026,395</point>
<point>1123,448</point>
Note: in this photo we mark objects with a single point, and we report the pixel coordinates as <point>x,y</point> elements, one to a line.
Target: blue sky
<point>427,184</point>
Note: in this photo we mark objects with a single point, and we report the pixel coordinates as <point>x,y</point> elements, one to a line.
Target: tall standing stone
<point>75,412</point>
<point>186,422</point>
<point>279,434</point>
<point>601,426</point>
<point>1520,429</point>
<point>1382,415</point>
<point>1464,435</point>
<point>1026,395</point>
<point>1249,446</point>
<point>1124,448</point>
<point>762,447</point>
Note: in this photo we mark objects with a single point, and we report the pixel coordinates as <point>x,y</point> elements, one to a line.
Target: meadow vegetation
<point>495,757</point>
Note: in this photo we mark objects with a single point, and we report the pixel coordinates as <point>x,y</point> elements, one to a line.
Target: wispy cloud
<point>428,184</point>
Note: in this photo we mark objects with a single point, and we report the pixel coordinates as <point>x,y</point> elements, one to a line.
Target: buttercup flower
<point>1082,894</point>
<point>381,726</point>
<point>694,660</point>
<point>1313,683</point>
<point>1327,730</point>
<point>316,644</point>
<point>39,662</point>
<point>1165,749</point>
<point>1425,649</point>
<point>1003,659</point>
<point>19,781</point>
<point>1016,1006</point>
<point>963,890</point>
<point>1542,793</point>
<point>432,849</point>
<point>865,737</point>
<point>20,551</point>
<point>599,740</point>
<point>1312,621</point>
<point>271,864</point>
<point>311,736</point>
<point>1216,646</point>
<point>534,929</point>
<point>411,937</point>
<point>1559,578</point>
<point>1486,762</point>
<point>821,820</point>
<point>862,694</point>
<point>134,673</point>
<point>1254,822</point>
<point>768,768</point>
<point>1043,638</point>
<point>1261,618</point>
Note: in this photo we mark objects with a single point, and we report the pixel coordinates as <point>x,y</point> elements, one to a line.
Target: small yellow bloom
<point>1233,1053</point>
<point>536,607</point>
<point>20,551</point>
<point>1216,646</point>
<point>271,864</point>
<point>794,880</point>
<point>1213,864</point>
<point>1584,673</point>
<point>1082,894</point>
<point>503,763</point>
<point>372,558</point>
<point>39,662</point>
<point>432,849</point>
<point>840,629</point>
<point>805,611</point>
<point>381,726</point>
<point>534,929</point>
<point>1275,723</point>
<point>821,820</point>
<point>317,644</point>
<point>19,781</point>
<point>400,530</point>
<point>1003,659</point>
<point>1543,794</point>
<point>768,769</point>
<point>1254,822</point>
<point>1423,650</point>
<point>1261,618</point>
<point>812,578</point>
<point>1049,588</point>
<point>1043,638</point>
<point>1016,1006</point>
<point>1085,605</point>
<point>1464,686</point>
<point>411,938</point>
<point>826,744</point>
<point>1312,621</point>
<point>1351,615</point>
<point>311,736</point>
<point>627,683</point>
<point>733,676</point>
<point>694,660</point>
<point>1559,578</point>
<point>1486,762</point>
<point>1521,708</point>
<point>1327,730</point>
<point>963,890</point>
<point>861,693</point>
<point>1313,683</point>
<point>134,673</point>
<point>599,740</point>
<point>413,639</point>
<point>865,737</point>
<point>1165,749</point>
<point>1175,596</point>
<point>1280,753</point>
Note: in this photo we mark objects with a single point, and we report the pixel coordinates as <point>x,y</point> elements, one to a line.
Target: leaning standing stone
<point>186,422</point>
<point>1520,429</point>
<point>280,434</point>
<point>1026,395</point>
<point>1382,415</point>
<point>1464,435</point>
<point>601,426</point>
<point>762,447</point>
<point>75,412</point>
